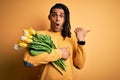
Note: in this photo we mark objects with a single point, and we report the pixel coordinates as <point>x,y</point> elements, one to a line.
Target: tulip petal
<point>16,47</point>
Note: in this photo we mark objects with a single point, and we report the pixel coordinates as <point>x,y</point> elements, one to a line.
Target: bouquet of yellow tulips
<point>25,39</point>
<point>37,44</point>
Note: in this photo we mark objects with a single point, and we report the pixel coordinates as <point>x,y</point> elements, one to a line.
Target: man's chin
<point>57,30</point>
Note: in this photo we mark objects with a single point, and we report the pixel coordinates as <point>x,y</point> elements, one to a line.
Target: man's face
<point>57,19</point>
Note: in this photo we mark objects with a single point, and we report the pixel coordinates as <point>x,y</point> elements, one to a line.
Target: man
<point>69,46</point>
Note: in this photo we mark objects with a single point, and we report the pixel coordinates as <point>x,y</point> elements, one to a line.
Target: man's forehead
<point>57,10</point>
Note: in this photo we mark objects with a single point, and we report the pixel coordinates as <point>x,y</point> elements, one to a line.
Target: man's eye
<point>53,15</point>
<point>62,16</point>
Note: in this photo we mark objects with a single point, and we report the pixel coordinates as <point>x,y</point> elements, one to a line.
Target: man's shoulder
<point>42,32</point>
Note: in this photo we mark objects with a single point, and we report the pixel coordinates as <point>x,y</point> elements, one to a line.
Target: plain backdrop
<point>102,17</point>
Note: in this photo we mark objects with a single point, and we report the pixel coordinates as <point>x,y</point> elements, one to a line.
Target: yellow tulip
<point>28,40</point>
<point>32,31</point>
<point>22,44</point>
<point>28,36</point>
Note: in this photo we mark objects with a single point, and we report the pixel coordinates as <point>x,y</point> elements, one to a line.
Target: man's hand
<point>80,33</point>
<point>65,53</point>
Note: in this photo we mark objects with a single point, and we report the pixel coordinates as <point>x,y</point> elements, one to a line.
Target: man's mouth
<point>57,24</point>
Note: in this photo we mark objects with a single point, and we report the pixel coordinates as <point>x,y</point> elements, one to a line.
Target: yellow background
<point>102,17</point>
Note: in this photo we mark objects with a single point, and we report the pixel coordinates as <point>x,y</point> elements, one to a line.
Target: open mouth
<point>57,24</point>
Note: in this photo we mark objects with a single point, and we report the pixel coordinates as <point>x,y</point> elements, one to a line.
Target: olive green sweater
<point>47,71</point>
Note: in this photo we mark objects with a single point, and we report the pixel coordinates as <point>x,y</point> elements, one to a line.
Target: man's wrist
<point>81,42</point>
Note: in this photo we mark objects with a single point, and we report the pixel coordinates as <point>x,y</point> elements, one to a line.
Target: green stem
<point>57,67</point>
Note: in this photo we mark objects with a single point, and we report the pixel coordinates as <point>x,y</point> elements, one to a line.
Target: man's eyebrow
<point>53,12</point>
<point>56,12</point>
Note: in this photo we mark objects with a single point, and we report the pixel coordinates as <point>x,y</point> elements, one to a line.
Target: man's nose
<point>57,18</point>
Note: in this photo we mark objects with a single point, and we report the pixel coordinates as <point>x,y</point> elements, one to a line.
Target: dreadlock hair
<point>66,26</point>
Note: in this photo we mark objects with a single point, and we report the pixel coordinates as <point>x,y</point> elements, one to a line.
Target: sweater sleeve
<point>42,58</point>
<point>79,55</point>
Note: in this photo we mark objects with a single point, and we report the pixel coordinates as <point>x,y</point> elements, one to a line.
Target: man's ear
<point>49,16</point>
